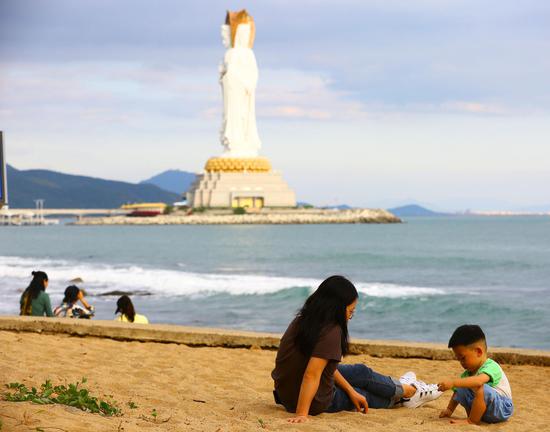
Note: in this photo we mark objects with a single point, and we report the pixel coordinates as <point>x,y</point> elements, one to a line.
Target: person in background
<point>34,300</point>
<point>69,307</point>
<point>127,312</point>
<point>81,296</point>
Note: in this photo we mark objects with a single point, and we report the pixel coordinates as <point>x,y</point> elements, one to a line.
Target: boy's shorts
<point>499,407</point>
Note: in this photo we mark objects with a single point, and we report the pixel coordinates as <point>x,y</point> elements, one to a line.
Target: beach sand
<point>215,389</point>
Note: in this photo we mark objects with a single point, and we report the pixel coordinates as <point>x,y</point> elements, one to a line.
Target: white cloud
<point>397,99</point>
<point>472,107</point>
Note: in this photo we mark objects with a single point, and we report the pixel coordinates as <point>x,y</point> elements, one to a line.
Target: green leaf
<point>72,396</point>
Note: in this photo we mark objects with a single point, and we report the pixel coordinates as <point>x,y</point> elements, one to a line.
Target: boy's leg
<point>473,401</point>
<point>478,405</point>
<point>465,397</point>
<point>499,407</point>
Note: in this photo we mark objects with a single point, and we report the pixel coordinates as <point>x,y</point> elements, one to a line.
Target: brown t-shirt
<point>290,366</point>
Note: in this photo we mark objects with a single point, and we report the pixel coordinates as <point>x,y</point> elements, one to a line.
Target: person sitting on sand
<point>69,307</point>
<point>125,307</point>
<point>308,377</point>
<point>483,388</point>
<point>34,300</point>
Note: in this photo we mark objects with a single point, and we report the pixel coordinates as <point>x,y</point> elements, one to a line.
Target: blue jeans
<point>381,391</point>
<point>499,408</point>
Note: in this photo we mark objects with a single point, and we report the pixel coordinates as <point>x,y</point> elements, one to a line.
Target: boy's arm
<point>448,412</point>
<point>469,382</point>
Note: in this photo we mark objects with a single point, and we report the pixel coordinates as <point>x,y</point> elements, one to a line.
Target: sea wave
<point>102,277</point>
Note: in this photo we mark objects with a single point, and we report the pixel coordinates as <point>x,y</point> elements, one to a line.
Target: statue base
<point>229,164</point>
<point>240,189</point>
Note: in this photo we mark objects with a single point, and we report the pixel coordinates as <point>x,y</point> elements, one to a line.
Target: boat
<point>144,209</point>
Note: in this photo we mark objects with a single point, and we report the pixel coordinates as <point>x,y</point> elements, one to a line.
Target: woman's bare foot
<point>408,391</point>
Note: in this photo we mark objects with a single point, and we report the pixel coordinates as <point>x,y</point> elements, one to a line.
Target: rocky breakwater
<point>274,217</point>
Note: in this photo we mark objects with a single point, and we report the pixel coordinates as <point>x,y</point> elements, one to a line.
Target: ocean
<point>417,280</point>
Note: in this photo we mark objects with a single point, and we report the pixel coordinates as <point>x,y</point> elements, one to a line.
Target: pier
<point>41,216</point>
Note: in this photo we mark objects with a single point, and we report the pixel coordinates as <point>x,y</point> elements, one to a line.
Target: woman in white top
<point>127,312</point>
<point>69,307</point>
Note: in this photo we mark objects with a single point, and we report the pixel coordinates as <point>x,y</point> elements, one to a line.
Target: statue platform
<point>240,189</point>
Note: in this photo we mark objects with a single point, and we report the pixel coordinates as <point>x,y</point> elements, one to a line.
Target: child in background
<point>127,312</point>
<point>483,388</point>
<point>69,308</point>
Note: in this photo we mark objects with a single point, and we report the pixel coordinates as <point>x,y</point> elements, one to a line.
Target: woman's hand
<point>359,401</point>
<point>298,419</point>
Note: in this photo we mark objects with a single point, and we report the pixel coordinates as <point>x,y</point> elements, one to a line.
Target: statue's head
<point>240,18</point>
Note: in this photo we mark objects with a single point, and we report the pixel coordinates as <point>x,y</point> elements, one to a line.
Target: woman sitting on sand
<point>69,308</point>
<point>34,300</point>
<point>308,377</point>
<point>127,312</point>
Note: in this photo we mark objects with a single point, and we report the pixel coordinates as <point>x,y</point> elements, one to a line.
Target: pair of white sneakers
<point>424,392</point>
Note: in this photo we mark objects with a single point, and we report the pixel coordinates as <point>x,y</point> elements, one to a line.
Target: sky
<point>372,103</point>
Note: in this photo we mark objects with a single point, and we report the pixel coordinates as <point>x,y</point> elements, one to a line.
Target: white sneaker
<point>408,378</point>
<point>424,393</point>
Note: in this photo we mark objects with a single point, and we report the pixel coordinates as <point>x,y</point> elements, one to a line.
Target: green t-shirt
<point>497,377</point>
<point>41,305</point>
<point>490,368</point>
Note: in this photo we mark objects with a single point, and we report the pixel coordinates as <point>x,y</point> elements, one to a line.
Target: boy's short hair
<point>467,334</point>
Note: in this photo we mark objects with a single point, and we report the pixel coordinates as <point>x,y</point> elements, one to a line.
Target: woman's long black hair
<point>32,291</point>
<point>325,307</point>
<point>126,307</point>
<point>37,284</point>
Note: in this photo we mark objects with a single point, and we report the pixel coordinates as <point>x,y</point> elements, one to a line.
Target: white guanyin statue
<point>238,78</point>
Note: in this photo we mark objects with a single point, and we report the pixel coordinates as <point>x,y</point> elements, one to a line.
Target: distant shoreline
<point>263,217</point>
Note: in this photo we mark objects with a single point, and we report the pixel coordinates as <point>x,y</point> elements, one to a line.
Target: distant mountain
<point>176,181</point>
<point>72,191</point>
<point>413,210</point>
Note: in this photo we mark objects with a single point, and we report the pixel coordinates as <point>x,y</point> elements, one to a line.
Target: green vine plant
<point>73,395</point>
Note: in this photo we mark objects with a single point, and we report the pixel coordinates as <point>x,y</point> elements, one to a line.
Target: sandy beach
<point>214,388</point>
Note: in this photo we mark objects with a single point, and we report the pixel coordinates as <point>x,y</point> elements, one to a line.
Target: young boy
<point>483,389</point>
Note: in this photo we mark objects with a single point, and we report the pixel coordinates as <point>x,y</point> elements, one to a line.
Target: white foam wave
<point>396,291</point>
<point>102,277</point>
